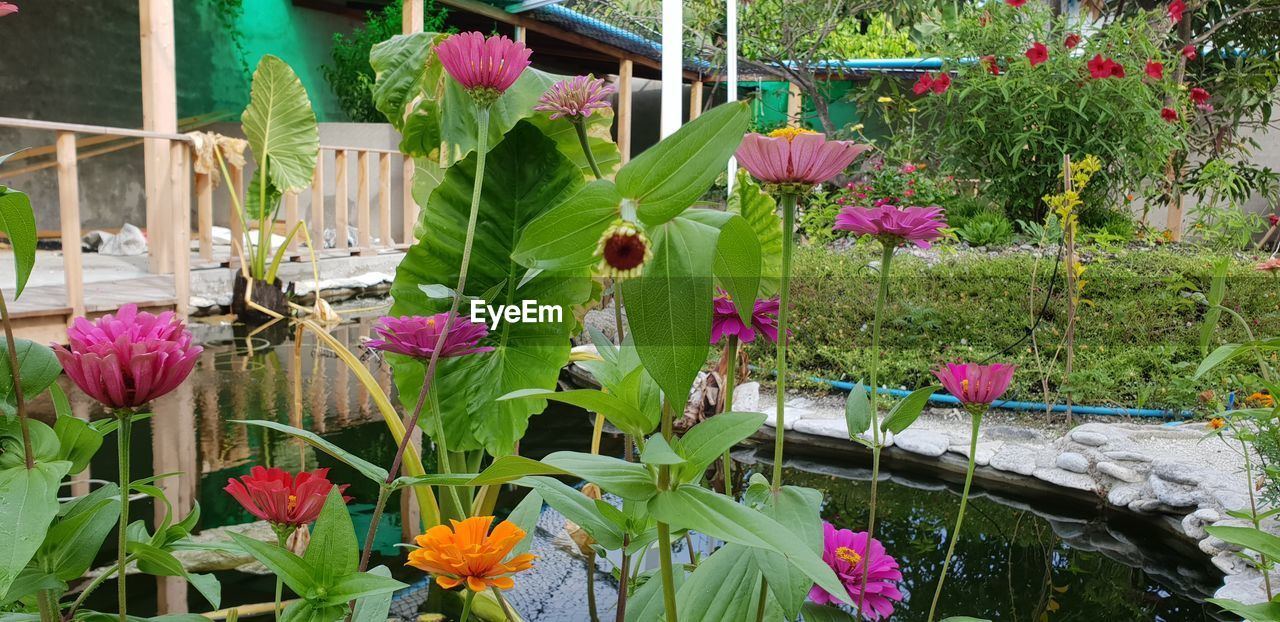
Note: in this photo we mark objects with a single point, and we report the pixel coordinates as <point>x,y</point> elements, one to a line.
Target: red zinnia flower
<point>1037,53</point>
<point>1176,8</point>
<point>278,497</point>
<point>416,336</point>
<point>990,64</point>
<point>1199,96</point>
<point>1189,52</point>
<point>923,84</point>
<point>1072,41</point>
<point>1169,114</point>
<point>942,82</point>
<point>1155,70</point>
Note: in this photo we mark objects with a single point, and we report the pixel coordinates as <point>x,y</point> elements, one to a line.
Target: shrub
<point>350,75</point>
<point>986,229</point>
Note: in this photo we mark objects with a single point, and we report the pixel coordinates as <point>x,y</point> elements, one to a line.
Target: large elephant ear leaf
<point>403,72</point>
<point>599,140</point>
<point>281,126</point>
<point>524,176</point>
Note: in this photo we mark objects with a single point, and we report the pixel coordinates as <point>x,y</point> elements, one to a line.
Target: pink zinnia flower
<point>8,8</point>
<point>1037,53</point>
<point>1155,70</point>
<point>846,552</point>
<point>893,225</point>
<point>796,156</point>
<point>130,358</point>
<point>416,336</point>
<point>276,496</point>
<point>972,383</point>
<point>1271,266</point>
<point>725,321</point>
<point>481,64</point>
<point>575,98</point>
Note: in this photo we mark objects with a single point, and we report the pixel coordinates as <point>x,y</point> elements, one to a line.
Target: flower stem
<point>624,581</point>
<point>123,433</point>
<point>591,587</point>
<point>664,530</point>
<point>384,491</point>
<point>1253,516</point>
<point>16,373</point>
<point>882,297</point>
<point>730,378</point>
<point>788,200</point>
<point>482,150</point>
<point>97,582</point>
<point>282,538</point>
<point>502,602</point>
<point>581,129</point>
<point>466,605</point>
<point>964,501</point>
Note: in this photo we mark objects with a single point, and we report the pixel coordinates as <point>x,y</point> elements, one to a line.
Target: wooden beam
<point>363,221</point>
<point>204,214</point>
<point>69,213</point>
<point>340,198</point>
<point>695,99</point>
<point>411,17</point>
<point>384,200</point>
<point>180,221</point>
<point>624,109</point>
<point>159,114</point>
<point>795,105</point>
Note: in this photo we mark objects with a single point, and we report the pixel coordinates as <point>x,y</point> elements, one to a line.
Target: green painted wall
<point>771,105</point>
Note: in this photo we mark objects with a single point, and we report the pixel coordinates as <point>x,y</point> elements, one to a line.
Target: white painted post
<point>731,67</point>
<point>672,66</point>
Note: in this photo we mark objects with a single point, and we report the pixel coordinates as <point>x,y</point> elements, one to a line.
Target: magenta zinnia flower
<point>846,552</point>
<point>416,336</point>
<point>1271,265</point>
<point>575,98</point>
<point>893,225</point>
<point>973,384</point>
<point>8,8</point>
<point>130,358</point>
<point>796,156</point>
<point>725,321</point>
<point>280,498</point>
<point>481,64</point>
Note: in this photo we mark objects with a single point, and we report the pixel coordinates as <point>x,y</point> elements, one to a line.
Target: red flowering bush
<point>1027,88</point>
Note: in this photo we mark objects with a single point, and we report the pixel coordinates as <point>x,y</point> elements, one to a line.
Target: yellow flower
<point>913,109</point>
<point>858,127</point>
<point>885,100</point>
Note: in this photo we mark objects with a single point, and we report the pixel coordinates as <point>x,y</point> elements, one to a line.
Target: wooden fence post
<point>624,110</point>
<point>204,214</point>
<point>180,224</point>
<point>340,198</point>
<point>317,205</point>
<point>363,221</point>
<point>410,214</point>
<point>695,99</point>
<point>69,213</point>
<point>384,200</point>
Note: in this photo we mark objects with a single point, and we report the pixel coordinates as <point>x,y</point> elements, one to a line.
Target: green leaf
<point>156,561</point>
<point>625,479</point>
<point>857,411</point>
<point>704,443</point>
<point>510,468</point>
<point>696,508</point>
<point>658,452</point>
<point>28,583</point>
<point>374,607</point>
<point>567,234</point>
<point>524,175</point>
<point>77,440</point>
<point>402,72</point>
<point>29,502</point>
<point>669,306</point>
<point>1249,538</point>
<point>333,552</point>
<point>719,587</point>
<point>295,572</point>
<point>576,507</point>
<point>761,212</point>
<point>75,537</point>
<point>357,585</point>
<point>813,612</point>
<point>280,125</point>
<point>18,223</point>
<point>433,479</point>
<point>372,471</point>
<point>1221,355</point>
<point>667,178</point>
<point>907,410</point>
<point>1217,293</point>
<point>1261,612</point>
<point>525,516</point>
<point>44,443</point>
<point>797,509</point>
<point>599,140</point>
<point>310,611</point>
<point>737,259</point>
<point>646,604</point>
<point>627,417</point>
<point>38,365</point>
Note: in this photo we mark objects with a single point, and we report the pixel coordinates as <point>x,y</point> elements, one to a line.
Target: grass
<point>1137,335</point>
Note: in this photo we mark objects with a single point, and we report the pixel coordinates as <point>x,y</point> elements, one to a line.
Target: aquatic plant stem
<point>581,128</point>
<point>664,530</point>
<point>882,297</point>
<point>788,201</point>
<point>964,501</point>
<point>466,605</point>
<point>16,373</point>
<point>730,378</point>
<point>123,433</point>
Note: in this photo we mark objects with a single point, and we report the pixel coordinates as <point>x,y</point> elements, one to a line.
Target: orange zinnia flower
<point>468,552</point>
<point>1216,423</point>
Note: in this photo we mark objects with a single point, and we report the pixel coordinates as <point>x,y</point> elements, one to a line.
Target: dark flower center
<point>624,251</point>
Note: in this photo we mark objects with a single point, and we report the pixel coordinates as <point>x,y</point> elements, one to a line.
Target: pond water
<point>1020,558</point>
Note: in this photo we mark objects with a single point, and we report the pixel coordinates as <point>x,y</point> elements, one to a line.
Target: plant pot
<point>267,295</point>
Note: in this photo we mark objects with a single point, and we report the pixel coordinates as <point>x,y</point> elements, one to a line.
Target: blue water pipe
<point>943,398</point>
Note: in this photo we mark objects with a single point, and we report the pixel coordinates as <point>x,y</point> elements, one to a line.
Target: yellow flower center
<point>847,554</point>
<point>789,133</point>
<point>431,322</point>
<point>964,385</point>
<point>293,502</point>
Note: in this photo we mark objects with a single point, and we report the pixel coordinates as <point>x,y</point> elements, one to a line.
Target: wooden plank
<point>236,185</point>
<point>69,213</point>
<point>80,481</point>
<point>159,114</point>
<point>410,212</point>
<point>363,220</point>
<point>384,200</point>
<point>695,99</point>
<point>411,17</point>
<point>291,218</point>
<point>340,199</point>
<point>624,110</point>
<point>204,214</point>
<point>317,205</point>
<point>180,219</point>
